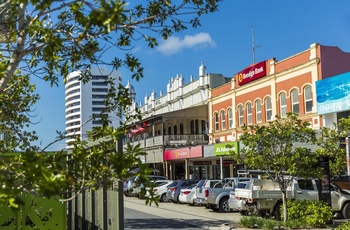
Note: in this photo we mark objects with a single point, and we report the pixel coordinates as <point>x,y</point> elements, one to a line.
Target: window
<point>308,99</point>
<point>196,123</point>
<point>295,101</point>
<point>258,111</point>
<point>283,105</point>
<point>230,118</point>
<point>181,128</point>
<point>216,121</point>
<point>192,127</point>
<point>203,125</point>
<point>169,130</point>
<point>240,115</point>
<point>175,129</point>
<point>223,120</point>
<point>268,108</point>
<point>249,113</point>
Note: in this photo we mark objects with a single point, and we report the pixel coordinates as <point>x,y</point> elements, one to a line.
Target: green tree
<point>48,39</point>
<point>329,143</point>
<point>272,149</point>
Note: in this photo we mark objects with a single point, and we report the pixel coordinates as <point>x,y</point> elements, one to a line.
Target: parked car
<point>200,194</point>
<point>175,187</point>
<point>187,194</point>
<point>138,184</point>
<point>128,186</point>
<point>217,197</point>
<point>160,190</point>
<point>233,202</point>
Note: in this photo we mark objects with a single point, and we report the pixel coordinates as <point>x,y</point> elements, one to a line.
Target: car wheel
<point>277,211</point>
<point>224,205</point>
<point>346,211</point>
<point>164,198</point>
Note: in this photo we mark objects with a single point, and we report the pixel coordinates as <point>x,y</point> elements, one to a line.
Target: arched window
<point>308,99</point>
<point>249,113</point>
<point>223,120</point>
<point>268,109</point>
<point>240,116</point>
<point>216,121</point>
<point>283,104</point>
<point>181,128</point>
<point>258,111</point>
<point>230,118</point>
<point>295,101</point>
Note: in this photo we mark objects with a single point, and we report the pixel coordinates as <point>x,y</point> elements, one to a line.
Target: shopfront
<point>225,164</point>
<point>178,162</point>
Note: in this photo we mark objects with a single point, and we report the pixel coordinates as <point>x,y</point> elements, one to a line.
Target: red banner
<point>252,73</point>
<point>183,153</point>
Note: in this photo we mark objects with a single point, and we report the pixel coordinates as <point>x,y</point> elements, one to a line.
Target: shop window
<point>258,111</point>
<point>249,113</point>
<point>268,109</point>
<point>223,120</point>
<point>230,118</point>
<point>240,116</point>
<point>308,99</point>
<point>283,104</point>
<point>295,101</point>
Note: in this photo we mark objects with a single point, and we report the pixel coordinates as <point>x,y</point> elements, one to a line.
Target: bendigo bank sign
<point>252,73</point>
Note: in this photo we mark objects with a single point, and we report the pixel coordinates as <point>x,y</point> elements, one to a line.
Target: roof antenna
<point>253,45</point>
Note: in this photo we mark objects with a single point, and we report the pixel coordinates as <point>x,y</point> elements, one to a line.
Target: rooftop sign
<point>252,73</point>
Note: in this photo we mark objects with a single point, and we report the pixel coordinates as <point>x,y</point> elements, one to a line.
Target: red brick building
<point>262,90</point>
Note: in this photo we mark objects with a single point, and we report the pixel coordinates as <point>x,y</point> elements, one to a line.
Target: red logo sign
<point>252,73</point>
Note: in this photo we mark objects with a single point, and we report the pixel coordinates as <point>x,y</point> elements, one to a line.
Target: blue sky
<point>223,43</point>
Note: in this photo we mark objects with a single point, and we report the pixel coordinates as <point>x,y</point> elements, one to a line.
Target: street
<point>137,215</point>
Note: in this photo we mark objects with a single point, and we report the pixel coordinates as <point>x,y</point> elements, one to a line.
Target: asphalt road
<point>138,215</point>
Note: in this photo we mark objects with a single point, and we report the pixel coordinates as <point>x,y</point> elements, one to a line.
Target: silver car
<point>175,187</point>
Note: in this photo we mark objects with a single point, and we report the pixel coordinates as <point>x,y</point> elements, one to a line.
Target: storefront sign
<point>226,162</point>
<point>201,162</point>
<point>183,153</point>
<point>332,94</point>
<point>252,73</point>
<point>229,148</point>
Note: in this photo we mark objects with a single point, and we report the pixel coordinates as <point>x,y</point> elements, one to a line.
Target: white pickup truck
<point>265,196</point>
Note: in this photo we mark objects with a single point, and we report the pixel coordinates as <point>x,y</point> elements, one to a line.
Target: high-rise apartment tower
<point>84,100</point>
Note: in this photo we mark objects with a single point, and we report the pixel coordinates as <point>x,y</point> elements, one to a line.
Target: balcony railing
<point>172,140</point>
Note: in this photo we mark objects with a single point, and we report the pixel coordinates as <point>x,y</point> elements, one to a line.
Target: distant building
<point>84,100</point>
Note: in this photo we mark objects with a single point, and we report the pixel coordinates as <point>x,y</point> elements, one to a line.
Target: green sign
<point>226,148</point>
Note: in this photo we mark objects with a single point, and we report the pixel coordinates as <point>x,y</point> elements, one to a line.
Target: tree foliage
<point>329,143</point>
<point>272,149</point>
<point>48,39</point>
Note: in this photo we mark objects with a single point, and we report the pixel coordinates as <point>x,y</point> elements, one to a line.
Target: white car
<point>160,189</point>
<point>233,203</point>
<point>187,195</point>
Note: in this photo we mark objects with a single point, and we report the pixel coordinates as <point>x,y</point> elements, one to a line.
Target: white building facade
<point>174,126</point>
<point>85,100</point>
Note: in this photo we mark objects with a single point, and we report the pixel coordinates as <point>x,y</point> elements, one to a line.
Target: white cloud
<point>175,44</point>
